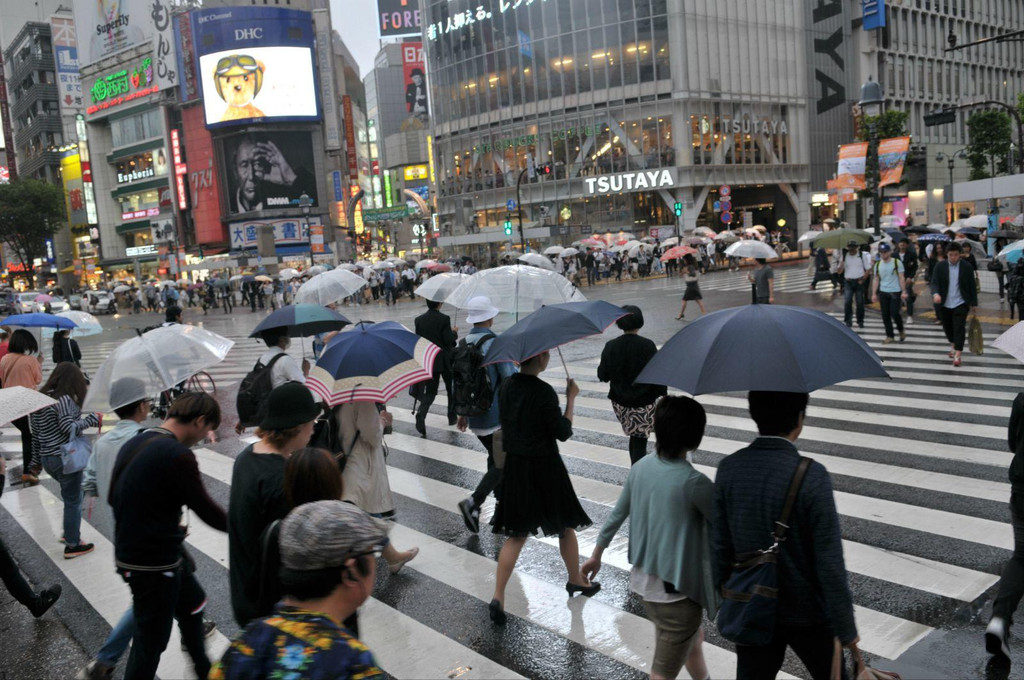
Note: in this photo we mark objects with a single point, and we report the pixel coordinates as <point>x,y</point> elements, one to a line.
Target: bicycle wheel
<point>201,382</point>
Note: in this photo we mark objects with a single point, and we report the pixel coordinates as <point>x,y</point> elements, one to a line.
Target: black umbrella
<point>810,350</point>
<point>303,321</point>
<point>918,229</point>
<point>1010,235</point>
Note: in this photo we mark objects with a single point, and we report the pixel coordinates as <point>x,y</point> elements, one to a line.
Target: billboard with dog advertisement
<point>269,169</point>
<point>255,64</point>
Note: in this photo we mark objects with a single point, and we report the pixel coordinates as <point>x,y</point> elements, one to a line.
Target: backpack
<point>472,391</point>
<point>253,393</point>
<point>895,266</point>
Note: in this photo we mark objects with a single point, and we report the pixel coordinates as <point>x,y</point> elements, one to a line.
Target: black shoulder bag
<point>750,596</point>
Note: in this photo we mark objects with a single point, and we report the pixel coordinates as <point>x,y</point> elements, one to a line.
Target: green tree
<point>890,124</point>
<point>30,212</point>
<point>990,133</point>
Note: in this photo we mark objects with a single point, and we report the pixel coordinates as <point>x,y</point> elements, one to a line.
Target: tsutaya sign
<point>631,181</point>
<point>747,126</point>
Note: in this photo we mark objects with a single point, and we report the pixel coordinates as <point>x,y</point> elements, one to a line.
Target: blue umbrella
<point>39,321</point>
<point>372,362</point>
<point>303,321</point>
<point>970,231</point>
<point>895,234</point>
<point>932,237</point>
<point>809,350</point>
<point>552,326</point>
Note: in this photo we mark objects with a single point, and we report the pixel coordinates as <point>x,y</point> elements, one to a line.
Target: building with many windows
<point>918,74</point>
<point>601,116</point>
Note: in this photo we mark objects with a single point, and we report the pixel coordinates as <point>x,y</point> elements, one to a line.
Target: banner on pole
<point>892,156</point>
<point>852,161</point>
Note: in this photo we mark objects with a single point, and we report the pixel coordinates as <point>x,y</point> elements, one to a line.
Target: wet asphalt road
<point>918,464</point>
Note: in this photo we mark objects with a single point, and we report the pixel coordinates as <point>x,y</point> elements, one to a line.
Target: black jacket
<point>909,260</point>
<point>968,286</point>
<point>437,327</point>
<point>154,476</point>
<point>67,350</point>
<point>1016,442</point>
<point>621,362</point>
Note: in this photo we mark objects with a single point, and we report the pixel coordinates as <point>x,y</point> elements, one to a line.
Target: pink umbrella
<point>593,243</point>
<point>43,297</point>
<point>677,252</point>
<point>438,268</point>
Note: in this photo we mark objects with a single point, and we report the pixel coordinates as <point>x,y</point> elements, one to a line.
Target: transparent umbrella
<point>438,288</point>
<point>85,324</point>
<point>288,274</point>
<point>516,289</point>
<point>153,362</point>
<point>553,250</point>
<point>537,260</point>
<point>329,288</point>
<point>751,248</point>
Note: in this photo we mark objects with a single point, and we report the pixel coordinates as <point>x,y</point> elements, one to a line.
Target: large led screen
<point>269,169</point>
<point>255,65</point>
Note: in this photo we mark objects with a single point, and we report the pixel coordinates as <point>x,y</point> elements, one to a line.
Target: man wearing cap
<point>854,268</point>
<point>436,326</point>
<point>328,567</point>
<point>889,291</point>
<point>954,290</point>
<point>486,425</point>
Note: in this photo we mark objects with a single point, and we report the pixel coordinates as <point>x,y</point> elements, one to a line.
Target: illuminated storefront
<point>591,111</point>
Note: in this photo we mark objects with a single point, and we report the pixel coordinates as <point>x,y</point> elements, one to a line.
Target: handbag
<point>975,337</point>
<point>74,455</point>
<point>994,265</point>
<point>750,595</point>
<point>861,671</point>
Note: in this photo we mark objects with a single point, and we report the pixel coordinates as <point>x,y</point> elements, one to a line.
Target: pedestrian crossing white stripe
<point>864,440</point>
<point>920,573</point>
<point>379,623</point>
<point>41,515</point>
<point>880,633</point>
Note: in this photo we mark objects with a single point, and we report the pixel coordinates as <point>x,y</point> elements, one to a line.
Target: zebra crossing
<point>794,279</point>
<point>918,465</point>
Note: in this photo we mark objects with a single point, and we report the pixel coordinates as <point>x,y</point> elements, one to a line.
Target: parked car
<point>25,303</point>
<point>8,301</point>
<point>57,305</point>
<point>75,301</point>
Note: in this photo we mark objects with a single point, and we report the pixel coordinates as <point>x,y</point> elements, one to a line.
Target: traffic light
<point>508,227</point>
<point>940,117</point>
<point>545,169</point>
<point>679,209</point>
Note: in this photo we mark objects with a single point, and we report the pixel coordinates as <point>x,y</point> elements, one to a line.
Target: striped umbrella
<point>372,362</point>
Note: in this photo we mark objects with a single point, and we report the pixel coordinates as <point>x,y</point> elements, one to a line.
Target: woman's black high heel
<point>585,591</point>
<point>497,613</point>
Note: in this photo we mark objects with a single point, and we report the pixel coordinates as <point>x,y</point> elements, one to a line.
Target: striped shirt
<point>55,426</point>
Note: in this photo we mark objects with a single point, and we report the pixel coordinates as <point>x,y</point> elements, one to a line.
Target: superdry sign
<point>645,180</point>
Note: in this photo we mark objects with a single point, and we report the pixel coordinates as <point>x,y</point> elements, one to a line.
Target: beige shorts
<point>676,626</point>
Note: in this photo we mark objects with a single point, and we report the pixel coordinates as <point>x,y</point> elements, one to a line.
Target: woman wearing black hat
<point>257,493</point>
<point>621,362</point>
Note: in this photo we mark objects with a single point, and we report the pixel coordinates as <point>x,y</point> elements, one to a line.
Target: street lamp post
<point>871,104</point>
<point>305,203</point>
<point>951,161</point>
<point>519,207</point>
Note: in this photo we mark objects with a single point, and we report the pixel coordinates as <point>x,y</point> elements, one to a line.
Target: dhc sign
<point>874,14</point>
<point>631,181</point>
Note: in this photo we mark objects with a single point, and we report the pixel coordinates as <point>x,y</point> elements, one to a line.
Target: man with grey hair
<point>328,567</point>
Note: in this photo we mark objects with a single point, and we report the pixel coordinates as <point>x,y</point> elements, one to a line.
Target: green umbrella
<point>840,238</point>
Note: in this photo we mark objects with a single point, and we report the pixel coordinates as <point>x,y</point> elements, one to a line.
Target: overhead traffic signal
<point>508,227</point>
<point>679,209</point>
<point>545,169</point>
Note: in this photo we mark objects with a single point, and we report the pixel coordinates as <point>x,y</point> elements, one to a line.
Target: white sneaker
<point>910,321</point>
<point>996,637</point>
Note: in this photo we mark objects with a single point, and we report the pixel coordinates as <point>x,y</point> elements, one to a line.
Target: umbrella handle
<point>566,368</point>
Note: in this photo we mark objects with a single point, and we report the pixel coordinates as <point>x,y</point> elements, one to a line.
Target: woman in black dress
<point>692,292</point>
<point>537,494</point>
<point>621,362</point>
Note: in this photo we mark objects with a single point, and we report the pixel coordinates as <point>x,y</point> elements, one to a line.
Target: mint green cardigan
<point>669,508</point>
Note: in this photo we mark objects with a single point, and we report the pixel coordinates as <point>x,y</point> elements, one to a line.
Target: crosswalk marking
<point>926,395</point>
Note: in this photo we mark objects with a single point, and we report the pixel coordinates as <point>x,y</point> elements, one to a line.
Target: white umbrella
<point>236,277</point>
<point>329,288</point>
<point>977,221</point>
<point>289,274</point>
<point>671,241</point>
<point>1018,221</point>
<point>938,227</point>
<point>726,236</point>
<point>809,236</point>
<point>438,287</point>
<point>554,250</point>
<point>364,264</point>
<point>315,270</point>
<point>121,289</point>
<point>153,362</point>
<point>386,264</point>
<point>1017,246</point>
<point>537,260</point>
<point>975,247</point>
<point>16,402</point>
<point>569,252</point>
<point>629,245</point>
<point>759,227</point>
<point>85,324</point>
<point>751,248</point>
<point>349,267</point>
<point>706,231</point>
<point>1012,342</point>
<point>516,288</point>
<point>635,250</point>
<point>424,263</point>
<point>165,283</point>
